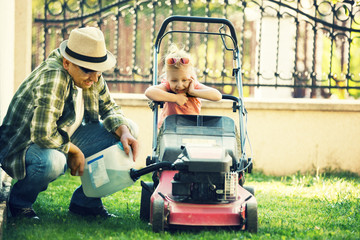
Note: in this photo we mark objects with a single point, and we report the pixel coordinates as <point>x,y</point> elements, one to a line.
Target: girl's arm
<point>205,92</point>
<point>159,93</point>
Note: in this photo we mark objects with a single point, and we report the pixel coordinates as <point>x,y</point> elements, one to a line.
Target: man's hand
<point>128,141</point>
<point>76,160</point>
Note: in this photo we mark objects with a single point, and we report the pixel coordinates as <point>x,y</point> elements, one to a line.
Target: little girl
<point>179,87</point>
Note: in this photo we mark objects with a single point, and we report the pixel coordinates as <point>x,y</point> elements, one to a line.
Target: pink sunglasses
<point>172,61</point>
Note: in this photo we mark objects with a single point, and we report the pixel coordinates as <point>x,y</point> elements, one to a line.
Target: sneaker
<point>94,212</point>
<point>23,212</point>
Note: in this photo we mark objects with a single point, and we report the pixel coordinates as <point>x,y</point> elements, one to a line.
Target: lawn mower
<point>199,160</point>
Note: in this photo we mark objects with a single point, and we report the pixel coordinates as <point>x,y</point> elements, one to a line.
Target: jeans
<point>45,165</point>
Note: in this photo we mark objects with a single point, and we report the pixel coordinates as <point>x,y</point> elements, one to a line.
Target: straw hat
<point>86,48</point>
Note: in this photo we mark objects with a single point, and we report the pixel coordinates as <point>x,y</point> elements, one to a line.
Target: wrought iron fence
<point>294,48</point>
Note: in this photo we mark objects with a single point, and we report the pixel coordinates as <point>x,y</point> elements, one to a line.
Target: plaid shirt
<point>41,108</point>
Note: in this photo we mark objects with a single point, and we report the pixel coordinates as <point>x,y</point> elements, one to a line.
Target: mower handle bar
<point>230,97</point>
<point>224,96</point>
<point>236,101</point>
<point>195,19</point>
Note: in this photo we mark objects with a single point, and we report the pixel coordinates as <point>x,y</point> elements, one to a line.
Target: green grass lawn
<point>292,207</point>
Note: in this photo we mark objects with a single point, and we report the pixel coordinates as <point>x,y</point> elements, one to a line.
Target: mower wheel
<point>251,216</point>
<point>158,219</point>
<point>146,192</point>
<point>250,189</point>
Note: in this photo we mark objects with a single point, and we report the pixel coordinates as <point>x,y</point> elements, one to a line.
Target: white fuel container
<point>107,171</point>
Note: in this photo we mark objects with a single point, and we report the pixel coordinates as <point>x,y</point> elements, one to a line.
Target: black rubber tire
<point>145,201</point>
<point>250,189</point>
<point>251,215</point>
<point>158,219</point>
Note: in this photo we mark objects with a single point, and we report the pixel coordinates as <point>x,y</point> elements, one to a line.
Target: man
<point>53,123</point>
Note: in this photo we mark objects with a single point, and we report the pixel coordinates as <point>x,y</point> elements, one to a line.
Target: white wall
<point>7,42</point>
<point>23,35</point>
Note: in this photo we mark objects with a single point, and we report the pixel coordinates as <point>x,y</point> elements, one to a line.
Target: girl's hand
<point>191,88</point>
<point>181,98</point>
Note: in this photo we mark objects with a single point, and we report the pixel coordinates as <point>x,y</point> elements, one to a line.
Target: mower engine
<point>203,149</point>
<point>205,175</point>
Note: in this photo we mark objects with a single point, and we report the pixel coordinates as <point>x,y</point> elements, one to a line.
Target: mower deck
<point>166,212</point>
